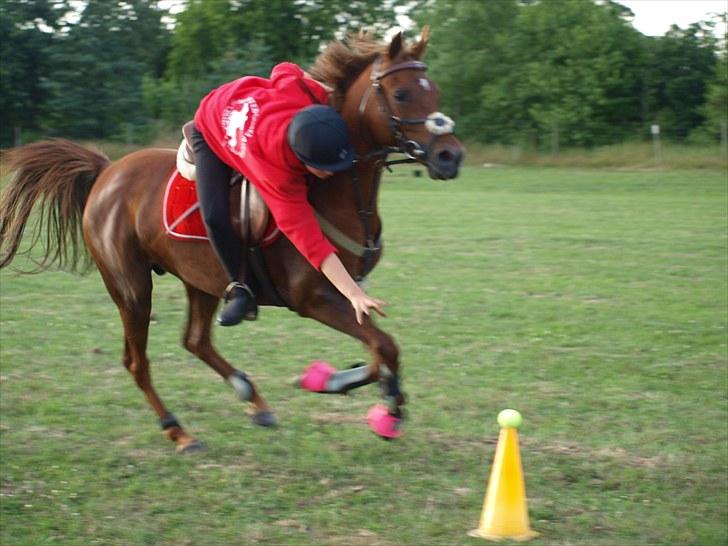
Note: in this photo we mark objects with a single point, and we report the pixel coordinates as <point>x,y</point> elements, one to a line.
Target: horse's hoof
<point>264,419</point>
<point>193,447</point>
<point>384,424</point>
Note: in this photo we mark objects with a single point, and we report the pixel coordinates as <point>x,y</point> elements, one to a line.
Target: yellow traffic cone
<point>505,514</point>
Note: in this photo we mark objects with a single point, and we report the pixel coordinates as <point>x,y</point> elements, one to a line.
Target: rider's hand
<point>340,278</point>
<point>362,303</point>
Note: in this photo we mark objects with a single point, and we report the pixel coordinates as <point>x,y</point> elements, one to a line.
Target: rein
<point>372,247</point>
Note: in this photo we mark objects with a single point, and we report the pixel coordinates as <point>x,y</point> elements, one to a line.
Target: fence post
<point>655,129</point>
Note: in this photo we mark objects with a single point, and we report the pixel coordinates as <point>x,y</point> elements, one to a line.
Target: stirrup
<point>236,311</point>
<point>236,284</point>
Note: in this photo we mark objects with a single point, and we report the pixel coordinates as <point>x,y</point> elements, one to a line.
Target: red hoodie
<point>245,123</point>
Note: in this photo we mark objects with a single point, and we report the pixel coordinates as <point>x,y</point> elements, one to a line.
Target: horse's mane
<point>341,62</point>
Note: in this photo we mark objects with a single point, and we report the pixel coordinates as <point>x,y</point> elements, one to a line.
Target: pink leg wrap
<point>382,423</point>
<point>316,375</point>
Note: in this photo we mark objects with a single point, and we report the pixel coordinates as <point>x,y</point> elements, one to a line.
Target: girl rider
<point>275,132</point>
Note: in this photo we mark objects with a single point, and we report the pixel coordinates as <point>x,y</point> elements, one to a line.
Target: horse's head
<point>396,105</point>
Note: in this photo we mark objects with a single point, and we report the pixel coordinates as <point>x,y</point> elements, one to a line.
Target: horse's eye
<point>402,95</point>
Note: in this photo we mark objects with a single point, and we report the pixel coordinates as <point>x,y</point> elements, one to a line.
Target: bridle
<point>436,123</point>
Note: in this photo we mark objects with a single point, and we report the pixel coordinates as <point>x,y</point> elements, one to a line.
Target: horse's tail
<point>59,175</point>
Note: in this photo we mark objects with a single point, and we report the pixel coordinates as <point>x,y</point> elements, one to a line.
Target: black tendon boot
<point>240,305</point>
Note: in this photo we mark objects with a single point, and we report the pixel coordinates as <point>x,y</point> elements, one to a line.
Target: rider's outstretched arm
<point>334,270</point>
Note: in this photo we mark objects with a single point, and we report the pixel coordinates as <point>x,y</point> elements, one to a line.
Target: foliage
<point>220,40</point>
<point>291,31</point>
<point>95,80</point>
<point>174,100</point>
<point>715,109</point>
<point>682,63</point>
<point>578,71</point>
<point>545,75</point>
<point>463,58</point>
<point>26,28</point>
<point>564,73</point>
<point>80,78</point>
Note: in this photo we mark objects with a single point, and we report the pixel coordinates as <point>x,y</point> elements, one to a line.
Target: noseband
<point>436,123</point>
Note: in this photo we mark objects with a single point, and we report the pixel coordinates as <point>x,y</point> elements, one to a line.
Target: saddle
<point>249,214</point>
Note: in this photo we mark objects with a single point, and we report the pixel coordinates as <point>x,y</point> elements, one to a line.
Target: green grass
<point>594,302</point>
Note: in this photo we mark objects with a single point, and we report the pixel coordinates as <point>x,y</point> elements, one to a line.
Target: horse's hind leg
<point>198,340</point>
<point>134,300</point>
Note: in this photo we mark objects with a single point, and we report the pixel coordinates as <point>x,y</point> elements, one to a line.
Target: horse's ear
<point>395,46</point>
<point>418,50</point>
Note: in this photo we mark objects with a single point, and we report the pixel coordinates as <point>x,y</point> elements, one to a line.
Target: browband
<point>414,65</point>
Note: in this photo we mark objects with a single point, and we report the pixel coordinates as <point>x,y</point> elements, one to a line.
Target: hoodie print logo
<point>238,120</point>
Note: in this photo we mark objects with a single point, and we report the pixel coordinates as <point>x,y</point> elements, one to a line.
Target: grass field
<point>592,301</point>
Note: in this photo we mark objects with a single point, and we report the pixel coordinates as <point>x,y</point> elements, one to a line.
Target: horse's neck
<point>352,195</point>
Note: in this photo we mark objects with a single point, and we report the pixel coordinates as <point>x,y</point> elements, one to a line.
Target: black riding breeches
<point>213,191</point>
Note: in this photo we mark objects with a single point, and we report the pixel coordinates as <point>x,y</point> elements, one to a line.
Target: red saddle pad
<point>181,210</point>
<point>181,215</point>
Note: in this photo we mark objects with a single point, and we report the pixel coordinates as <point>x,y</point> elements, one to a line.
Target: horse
<point>389,104</point>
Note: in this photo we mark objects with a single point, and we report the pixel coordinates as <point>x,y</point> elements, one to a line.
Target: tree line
<point>542,73</point>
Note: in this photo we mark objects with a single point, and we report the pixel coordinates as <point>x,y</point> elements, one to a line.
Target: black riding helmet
<point>319,138</point>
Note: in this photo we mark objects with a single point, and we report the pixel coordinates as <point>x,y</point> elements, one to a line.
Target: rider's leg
<point>214,194</point>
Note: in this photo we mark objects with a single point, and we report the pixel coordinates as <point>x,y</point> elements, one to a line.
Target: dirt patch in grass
<point>620,455</point>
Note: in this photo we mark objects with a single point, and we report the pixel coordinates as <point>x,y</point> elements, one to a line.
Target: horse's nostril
<point>449,157</point>
<point>446,163</point>
<point>445,156</point>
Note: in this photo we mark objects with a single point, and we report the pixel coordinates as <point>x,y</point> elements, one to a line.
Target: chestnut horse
<point>389,105</point>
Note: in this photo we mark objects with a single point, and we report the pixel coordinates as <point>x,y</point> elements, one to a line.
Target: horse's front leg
<point>328,306</point>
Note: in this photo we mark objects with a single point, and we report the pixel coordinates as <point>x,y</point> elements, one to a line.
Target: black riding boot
<point>214,194</point>
<point>240,305</point>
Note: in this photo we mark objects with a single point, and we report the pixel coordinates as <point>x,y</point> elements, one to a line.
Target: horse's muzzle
<point>444,163</point>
